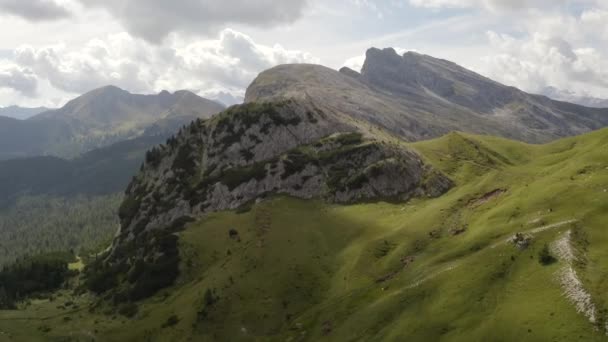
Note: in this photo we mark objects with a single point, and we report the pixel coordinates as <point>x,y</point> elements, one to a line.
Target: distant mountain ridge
<point>21,113</point>
<point>420,97</point>
<point>568,96</point>
<point>99,118</point>
<point>102,171</point>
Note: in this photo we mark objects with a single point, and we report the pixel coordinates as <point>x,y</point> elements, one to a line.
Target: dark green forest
<point>52,204</point>
<point>31,275</point>
<point>39,224</point>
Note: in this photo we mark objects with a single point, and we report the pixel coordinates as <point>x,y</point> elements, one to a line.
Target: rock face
<point>420,97</point>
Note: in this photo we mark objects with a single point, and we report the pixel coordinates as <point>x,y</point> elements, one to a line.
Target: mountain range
<point>100,118</point>
<point>415,200</point>
<point>420,97</point>
<point>568,96</point>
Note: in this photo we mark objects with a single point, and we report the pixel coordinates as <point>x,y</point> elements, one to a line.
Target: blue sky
<point>54,50</point>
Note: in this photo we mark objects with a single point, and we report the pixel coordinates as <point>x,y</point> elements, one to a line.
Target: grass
<point>308,270</point>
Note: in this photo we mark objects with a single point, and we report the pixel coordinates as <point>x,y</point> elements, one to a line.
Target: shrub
<point>358,181</point>
<point>128,209</point>
<point>295,162</point>
<point>239,175</point>
<point>352,138</point>
<point>153,157</point>
<point>128,310</point>
<point>247,154</point>
<point>184,159</point>
<point>101,278</point>
<point>171,321</point>
<point>209,300</point>
<point>545,257</point>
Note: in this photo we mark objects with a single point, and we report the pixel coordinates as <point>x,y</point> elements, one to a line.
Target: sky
<point>54,50</point>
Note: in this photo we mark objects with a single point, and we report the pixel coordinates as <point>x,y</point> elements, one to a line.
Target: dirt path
<point>537,230</point>
<point>451,267</point>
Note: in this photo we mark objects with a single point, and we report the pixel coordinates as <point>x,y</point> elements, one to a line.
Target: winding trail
<point>537,230</point>
<point>457,264</point>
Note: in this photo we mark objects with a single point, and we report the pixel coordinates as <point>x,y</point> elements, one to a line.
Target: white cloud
<point>17,79</point>
<point>355,63</point>
<point>538,61</point>
<point>369,5</point>
<point>535,44</point>
<point>219,68</point>
<point>154,20</point>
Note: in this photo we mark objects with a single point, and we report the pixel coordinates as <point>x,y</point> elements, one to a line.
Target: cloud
<point>33,10</point>
<point>539,61</point>
<point>370,6</point>
<point>154,20</point>
<point>20,80</point>
<point>535,44</point>
<point>355,63</point>
<point>219,68</point>
<point>492,5</point>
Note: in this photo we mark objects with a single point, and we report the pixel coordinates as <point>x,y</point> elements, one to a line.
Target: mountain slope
<point>431,269</point>
<point>421,97</point>
<point>100,118</point>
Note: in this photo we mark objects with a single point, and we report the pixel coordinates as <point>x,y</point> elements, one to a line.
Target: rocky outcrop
<point>259,149</point>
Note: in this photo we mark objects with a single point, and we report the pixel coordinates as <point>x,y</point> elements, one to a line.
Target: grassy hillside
<point>430,269</point>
